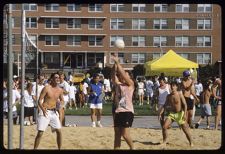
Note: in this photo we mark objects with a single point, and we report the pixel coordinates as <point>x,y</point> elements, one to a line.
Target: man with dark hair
<point>177,108</point>
<point>48,115</point>
<point>188,90</point>
<point>95,91</point>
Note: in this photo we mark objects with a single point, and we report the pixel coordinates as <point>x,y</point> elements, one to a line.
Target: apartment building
<point>76,37</point>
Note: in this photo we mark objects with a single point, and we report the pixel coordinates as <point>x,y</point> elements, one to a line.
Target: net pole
<point>37,59</point>
<point>22,78</point>
<point>10,82</point>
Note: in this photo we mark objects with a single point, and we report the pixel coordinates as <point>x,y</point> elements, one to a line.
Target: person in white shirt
<point>66,87</point>
<point>70,77</point>
<point>198,88</point>
<point>85,86</point>
<point>40,86</point>
<point>163,91</point>
<point>107,88</point>
<point>29,101</point>
<point>141,89</point>
<point>198,91</point>
<point>15,99</point>
<point>149,90</point>
<point>72,94</point>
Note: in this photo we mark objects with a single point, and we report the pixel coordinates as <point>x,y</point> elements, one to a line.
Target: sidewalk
<point>139,121</point>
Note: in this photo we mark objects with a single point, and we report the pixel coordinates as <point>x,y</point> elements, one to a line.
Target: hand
<point>115,58</point>
<point>44,112</point>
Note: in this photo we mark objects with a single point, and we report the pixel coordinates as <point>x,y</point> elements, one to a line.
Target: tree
<point>138,70</point>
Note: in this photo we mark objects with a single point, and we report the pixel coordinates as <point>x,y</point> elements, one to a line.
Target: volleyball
<point>119,44</point>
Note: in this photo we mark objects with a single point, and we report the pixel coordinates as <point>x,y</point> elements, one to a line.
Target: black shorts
<point>28,111</point>
<point>190,103</point>
<point>123,119</point>
<point>113,108</point>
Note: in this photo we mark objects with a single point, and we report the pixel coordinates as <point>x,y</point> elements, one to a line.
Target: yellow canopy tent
<point>171,64</point>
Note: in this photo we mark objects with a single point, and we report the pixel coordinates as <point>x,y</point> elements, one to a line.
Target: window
<point>204,24</point>
<point>181,41</point>
<point>160,7</point>
<point>95,40</point>
<point>138,41</point>
<point>74,40</point>
<point>33,38</point>
<point>51,40</point>
<point>138,58</point>
<point>117,23</point>
<point>184,55</point>
<point>73,23</point>
<point>138,7</point>
<point>73,7</point>
<point>204,58</point>
<point>116,7</point>
<point>99,57</point>
<point>67,60</point>
<point>114,38</point>
<point>91,59</point>
<point>182,23</point>
<point>204,8</point>
<point>95,23</point>
<point>120,56</point>
<point>14,7</point>
<point>52,7</point>
<point>51,58</point>
<point>31,22</point>
<point>138,23</point>
<point>51,23</point>
<point>30,7</point>
<point>159,41</point>
<point>203,41</point>
<point>156,55</point>
<point>182,7</point>
<point>160,24</point>
<point>95,7</point>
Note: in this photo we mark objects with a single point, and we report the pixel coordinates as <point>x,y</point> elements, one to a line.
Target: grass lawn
<point>107,110</point>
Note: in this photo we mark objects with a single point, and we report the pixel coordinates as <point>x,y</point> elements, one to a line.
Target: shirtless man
<point>205,106</point>
<point>176,107</point>
<point>188,90</point>
<point>48,115</point>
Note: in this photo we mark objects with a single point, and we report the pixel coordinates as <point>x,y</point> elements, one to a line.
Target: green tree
<point>138,70</point>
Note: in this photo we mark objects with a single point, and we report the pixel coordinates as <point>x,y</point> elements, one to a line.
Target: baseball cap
<point>186,73</point>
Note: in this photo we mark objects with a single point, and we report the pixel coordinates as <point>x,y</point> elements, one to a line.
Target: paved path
<point>139,121</point>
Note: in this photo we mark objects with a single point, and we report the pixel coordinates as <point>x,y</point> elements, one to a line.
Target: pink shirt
<point>125,104</point>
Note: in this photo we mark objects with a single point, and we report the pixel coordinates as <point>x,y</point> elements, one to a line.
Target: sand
<point>88,138</point>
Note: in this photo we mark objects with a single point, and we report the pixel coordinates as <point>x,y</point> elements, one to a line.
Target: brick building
<point>76,37</point>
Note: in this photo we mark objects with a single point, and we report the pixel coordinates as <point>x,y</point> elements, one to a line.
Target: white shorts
<point>96,106</point>
<point>140,91</point>
<point>52,119</point>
